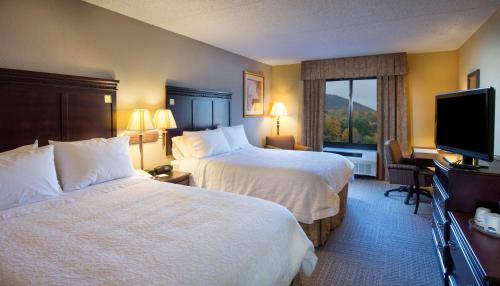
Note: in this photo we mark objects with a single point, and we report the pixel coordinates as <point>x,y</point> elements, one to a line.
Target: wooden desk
<point>424,156</point>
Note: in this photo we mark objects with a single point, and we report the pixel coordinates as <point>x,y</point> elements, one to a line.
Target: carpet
<point>380,242</point>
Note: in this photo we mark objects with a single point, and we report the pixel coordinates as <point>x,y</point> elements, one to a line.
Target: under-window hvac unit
<point>365,161</point>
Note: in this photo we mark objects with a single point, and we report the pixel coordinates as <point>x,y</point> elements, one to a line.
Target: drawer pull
<point>452,245</point>
<point>438,224</point>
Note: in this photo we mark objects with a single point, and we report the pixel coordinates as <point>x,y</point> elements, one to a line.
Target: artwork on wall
<point>253,95</point>
<point>473,80</point>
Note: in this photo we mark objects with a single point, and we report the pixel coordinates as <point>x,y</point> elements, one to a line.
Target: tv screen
<point>465,122</point>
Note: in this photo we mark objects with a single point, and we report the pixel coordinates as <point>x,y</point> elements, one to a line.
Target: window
<point>351,113</point>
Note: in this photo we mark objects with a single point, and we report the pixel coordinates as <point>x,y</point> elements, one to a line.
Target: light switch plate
<point>108,99</point>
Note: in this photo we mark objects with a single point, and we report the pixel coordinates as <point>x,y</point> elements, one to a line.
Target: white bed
<point>137,231</point>
<point>306,183</point>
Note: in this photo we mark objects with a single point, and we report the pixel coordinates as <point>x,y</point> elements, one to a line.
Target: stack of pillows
<point>30,174</point>
<point>202,144</point>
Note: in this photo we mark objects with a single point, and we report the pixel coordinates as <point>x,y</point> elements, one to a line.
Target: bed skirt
<point>319,231</point>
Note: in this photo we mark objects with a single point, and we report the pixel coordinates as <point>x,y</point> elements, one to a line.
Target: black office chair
<point>404,171</point>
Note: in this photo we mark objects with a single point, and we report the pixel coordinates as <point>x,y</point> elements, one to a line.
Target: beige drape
<point>313,109</point>
<point>392,117</point>
<point>390,71</point>
<point>355,67</point>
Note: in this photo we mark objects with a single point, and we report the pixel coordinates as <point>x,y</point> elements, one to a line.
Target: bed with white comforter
<point>137,231</point>
<point>306,183</point>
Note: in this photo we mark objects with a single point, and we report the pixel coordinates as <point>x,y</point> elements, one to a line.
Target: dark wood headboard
<point>196,109</point>
<point>45,106</point>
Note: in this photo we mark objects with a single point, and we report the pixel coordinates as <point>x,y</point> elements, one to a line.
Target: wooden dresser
<point>466,256</point>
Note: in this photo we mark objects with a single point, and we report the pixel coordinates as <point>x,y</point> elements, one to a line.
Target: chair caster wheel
<point>386,194</point>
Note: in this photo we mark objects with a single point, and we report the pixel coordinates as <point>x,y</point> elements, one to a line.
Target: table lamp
<point>140,121</point>
<point>163,120</point>
<point>278,110</point>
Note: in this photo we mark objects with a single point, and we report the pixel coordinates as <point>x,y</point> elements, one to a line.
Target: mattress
<point>143,232</point>
<point>306,183</point>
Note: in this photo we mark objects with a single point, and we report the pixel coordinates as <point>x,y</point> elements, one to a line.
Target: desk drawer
<point>462,271</point>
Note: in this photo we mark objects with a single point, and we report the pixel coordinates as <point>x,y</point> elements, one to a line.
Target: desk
<point>424,156</point>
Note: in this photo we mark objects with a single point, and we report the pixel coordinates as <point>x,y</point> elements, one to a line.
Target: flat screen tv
<point>465,123</point>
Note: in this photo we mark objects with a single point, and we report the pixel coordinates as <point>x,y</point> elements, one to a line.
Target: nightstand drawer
<point>184,182</point>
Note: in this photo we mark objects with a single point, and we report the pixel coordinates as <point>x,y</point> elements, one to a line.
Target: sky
<point>364,91</point>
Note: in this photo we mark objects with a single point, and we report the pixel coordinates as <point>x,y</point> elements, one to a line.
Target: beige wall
<point>74,37</point>
<point>482,51</point>
<point>287,87</point>
<point>429,74</point>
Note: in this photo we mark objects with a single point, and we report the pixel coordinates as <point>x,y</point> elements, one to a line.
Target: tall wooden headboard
<point>44,106</point>
<point>196,109</point>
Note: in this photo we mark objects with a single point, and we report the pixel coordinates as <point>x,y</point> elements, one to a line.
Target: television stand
<point>466,256</point>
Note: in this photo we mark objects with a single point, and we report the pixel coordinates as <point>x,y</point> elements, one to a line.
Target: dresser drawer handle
<point>438,224</point>
<point>452,245</point>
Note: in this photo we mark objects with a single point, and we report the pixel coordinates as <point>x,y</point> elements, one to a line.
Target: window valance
<point>355,67</point>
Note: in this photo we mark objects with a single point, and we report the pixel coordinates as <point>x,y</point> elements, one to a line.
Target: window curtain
<point>390,71</point>
<point>392,117</point>
<point>313,109</point>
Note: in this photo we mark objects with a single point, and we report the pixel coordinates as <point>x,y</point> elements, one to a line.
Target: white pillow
<point>180,148</point>
<point>27,177</point>
<point>21,149</point>
<point>206,143</point>
<point>83,163</point>
<point>236,137</point>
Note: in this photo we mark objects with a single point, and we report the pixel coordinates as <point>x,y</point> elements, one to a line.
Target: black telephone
<point>164,169</point>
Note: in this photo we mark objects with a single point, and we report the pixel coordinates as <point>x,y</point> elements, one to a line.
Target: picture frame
<point>253,94</point>
<point>473,80</point>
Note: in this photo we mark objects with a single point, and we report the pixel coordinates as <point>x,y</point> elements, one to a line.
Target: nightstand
<point>175,177</point>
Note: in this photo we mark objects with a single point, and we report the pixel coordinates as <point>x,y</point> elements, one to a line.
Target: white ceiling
<point>289,31</point>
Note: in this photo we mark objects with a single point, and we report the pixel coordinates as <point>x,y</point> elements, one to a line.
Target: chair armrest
<point>302,147</point>
<point>271,147</point>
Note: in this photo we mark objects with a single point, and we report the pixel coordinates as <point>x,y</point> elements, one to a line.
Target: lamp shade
<point>278,109</point>
<point>140,120</point>
<point>164,119</point>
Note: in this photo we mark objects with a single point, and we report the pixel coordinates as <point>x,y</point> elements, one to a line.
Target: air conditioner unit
<point>365,161</point>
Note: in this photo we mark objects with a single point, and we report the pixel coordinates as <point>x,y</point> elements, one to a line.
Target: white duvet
<point>141,232</point>
<point>307,183</point>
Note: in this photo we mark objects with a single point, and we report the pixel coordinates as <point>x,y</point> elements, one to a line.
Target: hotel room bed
<point>139,231</point>
<point>312,185</point>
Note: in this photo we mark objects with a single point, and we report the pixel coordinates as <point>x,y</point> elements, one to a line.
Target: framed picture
<point>473,80</point>
<point>253,95</point>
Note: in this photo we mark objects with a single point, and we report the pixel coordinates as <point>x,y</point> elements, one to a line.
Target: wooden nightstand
<point>175,177</point>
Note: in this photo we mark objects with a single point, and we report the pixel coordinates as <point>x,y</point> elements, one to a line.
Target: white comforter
<point>141,232</point>
<point>307,183</point>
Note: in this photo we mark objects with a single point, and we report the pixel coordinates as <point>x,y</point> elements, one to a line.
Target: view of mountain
<point>333,101</point>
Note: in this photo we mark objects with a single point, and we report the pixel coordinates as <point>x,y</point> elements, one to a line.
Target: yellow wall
<point>482,51</point>
<point>287,87</point>
<point>429,74</point>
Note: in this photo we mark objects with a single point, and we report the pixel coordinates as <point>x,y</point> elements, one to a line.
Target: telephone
<point>164,169</point>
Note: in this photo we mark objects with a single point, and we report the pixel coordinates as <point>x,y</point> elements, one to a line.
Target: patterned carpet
<point>380,242</point>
